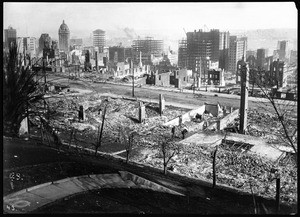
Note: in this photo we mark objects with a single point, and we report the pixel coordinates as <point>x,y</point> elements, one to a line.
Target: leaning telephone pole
<point>244,72</point>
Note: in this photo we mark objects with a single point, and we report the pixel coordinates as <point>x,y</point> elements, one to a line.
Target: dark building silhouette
<point>182,54</point>
<point>268,62</point>
<point>10,37</point>
<point>119,54</point>
<point>224,50</point>
<point>148,47</point>
<point>261,57</point>
<point>277,77</point>
<point>44,41</point>
<point>251,60</point>
<point>202,45</point>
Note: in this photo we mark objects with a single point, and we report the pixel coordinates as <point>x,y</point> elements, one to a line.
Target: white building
<point>27,44</point>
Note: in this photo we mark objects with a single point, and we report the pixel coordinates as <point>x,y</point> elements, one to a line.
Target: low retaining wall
<point>186,117</point>
<point>222,123</point>
<point>228,119</point>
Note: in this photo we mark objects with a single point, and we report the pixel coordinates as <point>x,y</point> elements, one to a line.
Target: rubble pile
<point>268,127</point>
<point>233,169</point>
<point>118,112</point>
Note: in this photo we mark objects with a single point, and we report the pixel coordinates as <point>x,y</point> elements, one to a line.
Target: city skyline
<point>140,17</point>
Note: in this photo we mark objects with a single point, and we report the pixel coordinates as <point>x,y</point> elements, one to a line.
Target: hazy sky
<point>32,19</point>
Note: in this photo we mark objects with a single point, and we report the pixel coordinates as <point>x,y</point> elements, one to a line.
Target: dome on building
<point>63,28</point>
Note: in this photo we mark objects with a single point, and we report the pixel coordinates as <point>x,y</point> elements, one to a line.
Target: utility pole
<point>244,72</point>
<point>44,72</point>
<point>132,78</point>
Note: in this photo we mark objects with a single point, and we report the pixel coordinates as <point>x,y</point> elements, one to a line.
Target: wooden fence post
<point>214,167</point>
<point>277,194</point>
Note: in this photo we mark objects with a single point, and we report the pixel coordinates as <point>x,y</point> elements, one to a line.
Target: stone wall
<point>186,117</point>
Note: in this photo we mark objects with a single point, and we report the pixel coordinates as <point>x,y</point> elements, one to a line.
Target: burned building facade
<point>148,48</point>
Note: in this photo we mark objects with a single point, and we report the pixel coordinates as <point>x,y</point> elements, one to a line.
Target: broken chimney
<point>198,82</point>
<point>142,112</point>
<point>96,60</point>
<point>161,104</point>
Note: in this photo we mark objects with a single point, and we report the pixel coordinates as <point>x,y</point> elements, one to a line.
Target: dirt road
<point>186,97</point>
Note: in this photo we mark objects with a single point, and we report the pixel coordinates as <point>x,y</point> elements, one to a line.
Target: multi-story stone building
<point>202,45</point>
<point>268,62</point>
<point>148,48</point>
<point>10,37</point>
<point>182,53</point>
<point>224,50</point>
<point>261,58</point>
<point>29,46</point>
<point>277,75</point>
<point>293,57</point>
<point>282,49</point>
<point>237,50</point>
<point>119,54</point>
<point>64,38</point>
<point>99,39</point>
<point>44,41</point>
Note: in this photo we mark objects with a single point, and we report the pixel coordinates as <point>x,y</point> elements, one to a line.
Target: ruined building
<point>282,49</point>
<point>261,58</point>
<point>277,76</point>
<point>203,50</point>
<point>216,77</point>
<point>44,41</point>
<point>27,45</point>
<point>182,54</point>
<point>149,48</point>
<point>202,45</point>
<point>119,54</point>
<point>64,37</point>
<point>251,60</point>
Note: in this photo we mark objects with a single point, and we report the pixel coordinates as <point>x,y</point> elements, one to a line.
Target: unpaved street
<point>170,95</point>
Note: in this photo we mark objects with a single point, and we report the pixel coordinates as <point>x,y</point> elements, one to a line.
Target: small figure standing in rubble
<point>184,132</point>
<point>173,131</point>
<point>81,113</point>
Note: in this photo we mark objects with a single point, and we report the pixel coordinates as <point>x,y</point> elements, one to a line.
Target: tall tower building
<point>10,36</point>
<point>148,47</point>
<point>202,45</point>
<point>282,49</point>
<point>64,37</point>
<point>20,44</point>
<point>99,39</point>
<point>182,54</point>
<point>224,50</point>
<point>237,50</point>
<point>260,58</point>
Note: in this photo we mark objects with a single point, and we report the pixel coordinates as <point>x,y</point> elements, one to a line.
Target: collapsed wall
<point>216,121</point>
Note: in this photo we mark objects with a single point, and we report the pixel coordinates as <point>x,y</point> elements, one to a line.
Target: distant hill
<point>268,38</point>
<point>260,38</point>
